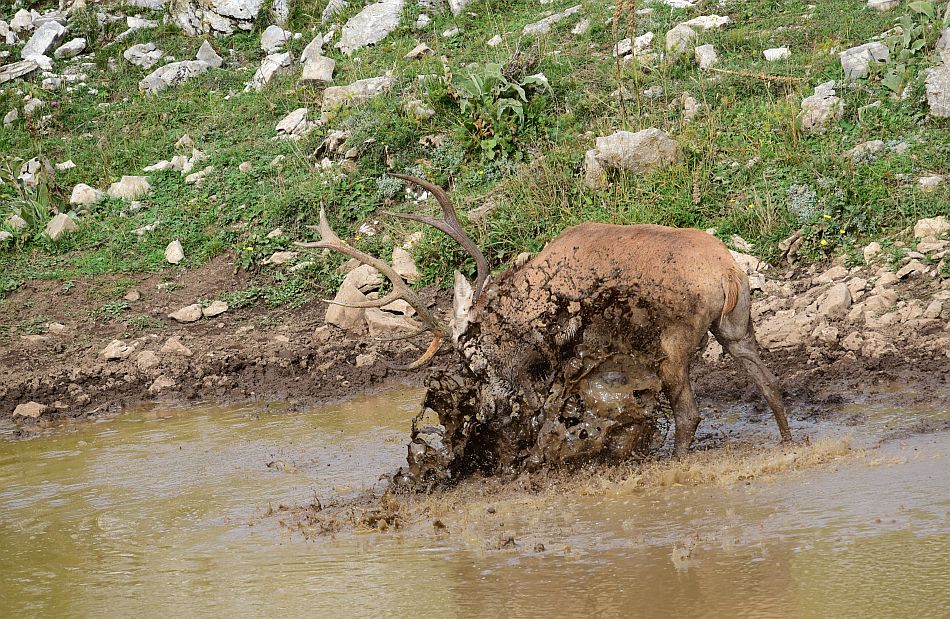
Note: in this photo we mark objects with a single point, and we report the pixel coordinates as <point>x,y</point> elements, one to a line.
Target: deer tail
<point>731,285</point>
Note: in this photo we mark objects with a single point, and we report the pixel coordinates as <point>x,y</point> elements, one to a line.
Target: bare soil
<point>267,355</point>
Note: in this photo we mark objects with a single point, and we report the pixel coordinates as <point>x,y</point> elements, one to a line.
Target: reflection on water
<point>158,512</point>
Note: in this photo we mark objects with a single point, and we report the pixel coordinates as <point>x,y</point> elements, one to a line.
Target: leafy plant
<point>913,32</point>
<point>33,204</point>
<point>494,108</point>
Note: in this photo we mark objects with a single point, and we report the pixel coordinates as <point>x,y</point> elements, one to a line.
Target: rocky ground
<point>832,333</point>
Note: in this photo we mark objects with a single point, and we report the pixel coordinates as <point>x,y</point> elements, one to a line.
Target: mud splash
<point>166,511</point>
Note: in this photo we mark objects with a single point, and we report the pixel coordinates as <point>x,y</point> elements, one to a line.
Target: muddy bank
<point>833,335</point>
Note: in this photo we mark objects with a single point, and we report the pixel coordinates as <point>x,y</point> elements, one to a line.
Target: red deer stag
<point>564,356</point>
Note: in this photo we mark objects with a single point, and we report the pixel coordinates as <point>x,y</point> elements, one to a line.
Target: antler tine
<point>330,240</point>
<point>450,225</point>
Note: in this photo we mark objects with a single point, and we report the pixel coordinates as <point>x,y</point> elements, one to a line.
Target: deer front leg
<point>674,375</point>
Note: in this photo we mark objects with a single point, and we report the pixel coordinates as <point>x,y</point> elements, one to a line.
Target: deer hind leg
<point>674,374</point>
<point>735,334</point>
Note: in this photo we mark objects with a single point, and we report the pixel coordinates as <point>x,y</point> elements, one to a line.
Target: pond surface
<point>161,512</point>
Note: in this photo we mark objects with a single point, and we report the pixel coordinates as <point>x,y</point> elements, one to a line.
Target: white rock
<point>197,178</point>
<point>404,265</point>
<point>930,182</point>
<point>318,70</point>
<point>174,252</point>
<point>332,9</point>
<point>30,410</point>
<point>173,346</point>
<point>280,257</point>
<point>207,55</point>
<point>457,6</point>
<point>708,22</point>
<point>385,324</point>
<point>295,125</point>
<point>641,152</point>
<point>834,303</point>
<point>358,92</point>
<point>581,27</point>
<point>274,39</point>
<point>371,25</point>
<point>348,318</point>
<point>871,250</point>
<point>934,226</point>
<point>495,41</point>
<point>144,55</point>
<point>856,61</point>
<point>190,313</point>
<point>313,50</point>
<point>22,21</point>
<point>865,150</point>
<point>938,90</point>
<point>162,383</point>
<point>214,16</point>
<point>172,74</point>
<point>215,308</point>
<point>130,187</point>
<point>116,351</point>
<point>422,21</point>
<point>11,117</point>
<point>883,5</point>
<point>70,49</point>
<point>271,66</point>
<point>66,165</point>
<point>281,11</point>
<point>679,39</point>
<point>419,51</point>
<point>42,40</point>
<point>706,56</point>
<point>820,109</point>
<point>16,222</point>
<point>914,267</point>
<point>84,194</point>
<point>777,53</point>
<point>59,225</point>
<point>544,26</point>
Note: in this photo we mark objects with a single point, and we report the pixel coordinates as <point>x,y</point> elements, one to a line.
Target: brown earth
<point>267,355</point>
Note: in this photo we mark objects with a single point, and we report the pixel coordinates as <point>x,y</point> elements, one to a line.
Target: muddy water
<point>162,511</point>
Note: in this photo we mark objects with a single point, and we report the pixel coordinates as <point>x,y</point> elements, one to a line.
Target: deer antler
<point>330,240</point>
<point>450,225</point>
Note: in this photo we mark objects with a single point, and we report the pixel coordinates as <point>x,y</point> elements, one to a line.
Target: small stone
<point>313,51</point>
<point>820,109</point>
<point>934,226</point>
<point>365,360</point>
<point>930,182</point>
<point>871,250</point>
<point>679,39</point>
<point>30,410</point>
<point>281,257</point>
<point>190,313</point>
<point>831,275</point>
<point>174,252</point>
<point>865,151</point>
<point>173,346</point>
<point>84,195</point>
<point>544,26</point>
<point>706,56</point>
<point>208,56</point>
<point>270,68</point>
<point>162,383</point>
<point>274,39</point>
<point>116,351</point>
<point>914,267</point>
<point>883,5</point>
<point>130,187</point>
<point>835,302</point>
<point>856,61</point>
<point>404,265</point>
<point>419,51</point>
<point>245,167</point>
<point>66,165</point>
<point>495,41</point>
<point>318,71</point>
<point>59,225</point>
<point>146,360</point>
<point>370,26</point>
<point>132,296</point>
<point>70,49</point>
<point>777,53</point>
<point>215,308</point>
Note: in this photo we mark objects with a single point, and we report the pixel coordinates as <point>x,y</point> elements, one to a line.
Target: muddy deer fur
<point>563,357</point>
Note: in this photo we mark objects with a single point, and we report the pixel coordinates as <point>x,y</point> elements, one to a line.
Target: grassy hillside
<point>746,167</point>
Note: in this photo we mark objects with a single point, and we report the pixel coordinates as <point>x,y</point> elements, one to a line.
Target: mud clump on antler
<point>585,367</point>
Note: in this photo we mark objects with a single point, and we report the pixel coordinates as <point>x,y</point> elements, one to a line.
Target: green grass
<point>740,156</point>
